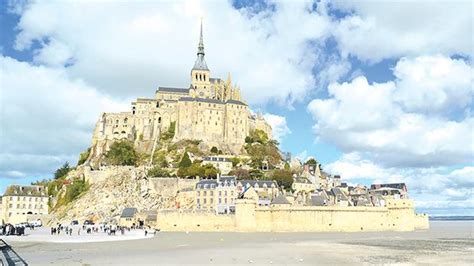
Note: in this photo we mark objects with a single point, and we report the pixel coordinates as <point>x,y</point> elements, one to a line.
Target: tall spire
<point>201,43</point>
<point>200,62</point>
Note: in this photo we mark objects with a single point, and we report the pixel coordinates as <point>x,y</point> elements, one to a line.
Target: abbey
<point>209,109</point>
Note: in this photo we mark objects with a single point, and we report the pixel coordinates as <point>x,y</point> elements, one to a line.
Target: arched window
<point>125,120</point>
<point>159,119</point>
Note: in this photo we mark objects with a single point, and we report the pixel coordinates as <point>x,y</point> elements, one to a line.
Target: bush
<point>157,171</point>
<point>185,161</point>
<point>62,171</point>
<point>214,150</point>
<point>159,159</point>
<point>75,189</point>
<point>283,178</point>
<point>240,173</point>
<point>121,153</point>
<point>83,156</point>
<point>169,134</point>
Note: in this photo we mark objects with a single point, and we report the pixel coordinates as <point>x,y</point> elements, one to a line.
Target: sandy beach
<point>448,243</point>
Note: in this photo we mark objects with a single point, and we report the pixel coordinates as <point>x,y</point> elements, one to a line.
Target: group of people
<point>11,230</point>
<point>60,228</point>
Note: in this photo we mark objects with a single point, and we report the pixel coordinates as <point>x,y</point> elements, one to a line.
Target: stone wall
<point>286,218</point>
<point>169,186</point>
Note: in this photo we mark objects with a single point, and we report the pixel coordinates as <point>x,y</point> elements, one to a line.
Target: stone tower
<point>200,74</point>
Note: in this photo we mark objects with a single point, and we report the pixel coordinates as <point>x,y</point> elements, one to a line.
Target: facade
<point>19,202</point>
<point>220,194</point>
<point>208,109</point>
<point>223,164</point>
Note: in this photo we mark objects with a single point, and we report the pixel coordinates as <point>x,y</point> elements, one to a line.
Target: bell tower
<point>200,74</point>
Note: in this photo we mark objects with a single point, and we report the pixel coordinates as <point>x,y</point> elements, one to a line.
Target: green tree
<point>210,171</point>
<point>311,161</point>
<point>283,178</point>
<point>83,156</point>
<point>185,161</point>
<point>287,166</point>
<point>121,153</point>
<point>240,173</point>
<point>255,174</point>
<point>157,171</point>
<point>62,171</point>
<point>214,150</point>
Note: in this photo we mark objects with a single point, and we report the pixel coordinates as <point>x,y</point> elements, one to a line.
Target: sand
<point>449,243</point>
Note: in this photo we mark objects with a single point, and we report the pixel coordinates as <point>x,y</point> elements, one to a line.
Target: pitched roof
<point>32,191</point>
<point>317,200</point>
<point>174,90</point>
<point>236,102</point>
<point>260,183</point>
<point>128,212</point>
<point>280,199</point>
<point>302,180</point>
<point>204,100</point>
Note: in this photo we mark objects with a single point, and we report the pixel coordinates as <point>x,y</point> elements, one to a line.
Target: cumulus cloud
<point>45,118</point>
<point>279,127</point>
<point>391,122</point>
<point>142,44</point>
<point>375,30</point>
<point>432,188</point>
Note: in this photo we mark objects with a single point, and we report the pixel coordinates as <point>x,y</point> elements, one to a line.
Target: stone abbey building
<point>209,109</point>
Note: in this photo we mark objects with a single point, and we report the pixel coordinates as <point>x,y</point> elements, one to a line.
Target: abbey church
<point>209,109</point>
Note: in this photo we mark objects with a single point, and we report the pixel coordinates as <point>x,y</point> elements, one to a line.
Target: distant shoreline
<point>451,218</point>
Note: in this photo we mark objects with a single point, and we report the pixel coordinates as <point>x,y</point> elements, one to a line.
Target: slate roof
<point>32,191</point>
<point>212,183</point>
<point>317,200</point>
<point>173,90</point>
<point>280,199</point>
<point>215,159</point>
<point>236,102</point>
<point>204,100</point>
<point>213,80</point>
<point>260,183</point>
<point>128,212</point>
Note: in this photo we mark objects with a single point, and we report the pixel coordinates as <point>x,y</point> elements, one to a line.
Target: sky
<point>377,91</point>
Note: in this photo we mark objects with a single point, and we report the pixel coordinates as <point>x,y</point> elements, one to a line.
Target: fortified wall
<point>398,215</point>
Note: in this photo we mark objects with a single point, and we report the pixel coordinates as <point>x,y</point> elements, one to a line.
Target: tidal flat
<point>446,242</point>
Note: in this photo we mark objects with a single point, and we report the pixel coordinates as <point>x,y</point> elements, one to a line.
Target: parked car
<point>36,223</point>
<point>75,222</point>
<point>88,222</point>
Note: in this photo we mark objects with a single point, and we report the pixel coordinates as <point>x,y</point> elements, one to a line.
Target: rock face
<point>121,188</point>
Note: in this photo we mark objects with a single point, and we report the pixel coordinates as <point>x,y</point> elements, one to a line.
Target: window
<point>225,193</point>
<point>212,193</point>
<point>205,201</point>
<point>197,201</point>
<point>212,200</point>
<point>225,200</point>
<point>220,200</point>
<point>220,193</point>
<point>204,193</point>
<point>199,193</point>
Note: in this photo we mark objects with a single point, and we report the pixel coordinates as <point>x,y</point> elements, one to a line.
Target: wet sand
<point>448,243</point>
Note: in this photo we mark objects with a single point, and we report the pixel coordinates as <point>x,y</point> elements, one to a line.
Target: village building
<point>128,217</point>
<point>221,163</point>
<point>21,203</point>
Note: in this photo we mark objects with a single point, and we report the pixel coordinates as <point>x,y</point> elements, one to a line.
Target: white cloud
<point>379,29</point>
<point>432,188</point>
<point>45,118</point>
<point>380,119</point>
<point>279,127</point>
<point>142,45</point>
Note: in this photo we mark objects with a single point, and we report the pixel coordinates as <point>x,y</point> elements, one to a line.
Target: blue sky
<point>370,89</point>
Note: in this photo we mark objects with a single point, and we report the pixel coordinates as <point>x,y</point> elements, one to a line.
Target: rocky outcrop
<point>107,197</point>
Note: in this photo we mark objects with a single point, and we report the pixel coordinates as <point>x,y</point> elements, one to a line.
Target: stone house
<point>20,202</point>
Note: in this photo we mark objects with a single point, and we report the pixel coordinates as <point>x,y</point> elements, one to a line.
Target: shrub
<point>169,134</point>
<point>157,171</point>
<point>121,153</point>
<point>214,150</point>
<point>83,156</point>
<point>75,189</point>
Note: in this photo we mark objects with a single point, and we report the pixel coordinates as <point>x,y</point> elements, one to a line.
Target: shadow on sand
<point>8,256</point>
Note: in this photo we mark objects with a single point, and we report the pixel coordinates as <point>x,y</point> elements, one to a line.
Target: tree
<point>311,161</point>
<point>185,161</point>
<point>287,166</point>
<point>283,177</point>
<point>255,174</point>
<point>240,173</point>
<point>157,171</point>
<point>210,171</point>
<point>62,171</point>
<point>121,153</point>
<point>214,150</point>
<point>75,189</point>
<point>83,156</point>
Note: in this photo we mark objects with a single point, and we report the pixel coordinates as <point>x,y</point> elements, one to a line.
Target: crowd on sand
<point>88,229</point>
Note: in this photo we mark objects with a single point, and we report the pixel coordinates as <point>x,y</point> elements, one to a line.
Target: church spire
<point>200,62</point>
<point>201,43</point>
